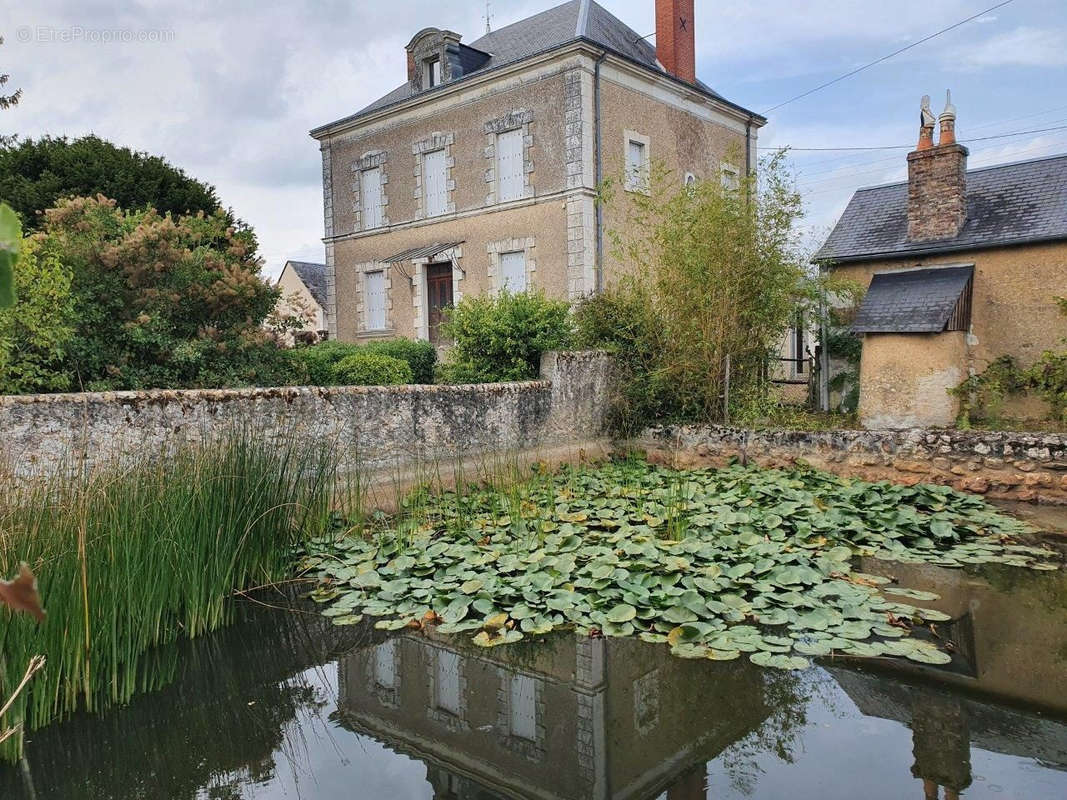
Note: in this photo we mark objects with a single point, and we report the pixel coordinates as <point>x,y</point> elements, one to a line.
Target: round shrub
<point>319,360</point>
<point>372,369</point>
<point>420,356</point>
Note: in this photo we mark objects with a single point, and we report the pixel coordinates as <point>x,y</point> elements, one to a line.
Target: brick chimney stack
<point>937,178</point>
<point>676,38</point>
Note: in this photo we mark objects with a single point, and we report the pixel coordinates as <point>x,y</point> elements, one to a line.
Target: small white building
<point>303,286</point>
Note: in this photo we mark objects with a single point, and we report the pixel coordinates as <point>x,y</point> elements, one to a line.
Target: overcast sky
<point>229,90</point>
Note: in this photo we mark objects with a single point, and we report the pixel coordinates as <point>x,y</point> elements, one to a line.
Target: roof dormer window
<point>431,75</point>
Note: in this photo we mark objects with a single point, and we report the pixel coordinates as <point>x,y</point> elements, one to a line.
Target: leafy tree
<point>36,334</point>
<point>711,272</point>
<point>35,175</point>
<point>501,337</point>
<point>10,243</point>
<point>8,100</point>
<point>162,301</point>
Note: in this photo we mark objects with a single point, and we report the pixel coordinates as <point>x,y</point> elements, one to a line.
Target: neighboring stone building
<point>961,267</point>
<point>481,169</point>
<point>303,286</point>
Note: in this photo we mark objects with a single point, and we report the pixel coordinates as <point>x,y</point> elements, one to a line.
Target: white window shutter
<point>522,704</point>
<point>435,183</point>
<point>636,167</point>
<point>376,300</point>
<point>513,271</point>
<point>447,682</point>
<point>510,166</point>
<point>371,189</point>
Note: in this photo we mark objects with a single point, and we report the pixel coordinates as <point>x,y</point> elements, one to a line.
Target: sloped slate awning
<point>917,301</point>
<point>426,251</point>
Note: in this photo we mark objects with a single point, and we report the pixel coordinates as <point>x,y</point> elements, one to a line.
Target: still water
<point>283,705</point>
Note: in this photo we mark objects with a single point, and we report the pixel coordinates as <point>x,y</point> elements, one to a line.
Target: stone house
<point>480,171</point>
<point>303,287</point>
<point>961,267</point>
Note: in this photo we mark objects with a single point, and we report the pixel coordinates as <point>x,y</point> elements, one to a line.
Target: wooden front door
<point>438,297</point>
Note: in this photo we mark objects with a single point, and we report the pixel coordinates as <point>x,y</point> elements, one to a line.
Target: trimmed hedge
<point>420,356</point>
<point>372,369</point>
<point>320,361</point>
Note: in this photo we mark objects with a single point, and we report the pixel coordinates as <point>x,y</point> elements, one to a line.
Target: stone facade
<point>1010,466</point>
<point>550,98</point>
<point>372,428</point>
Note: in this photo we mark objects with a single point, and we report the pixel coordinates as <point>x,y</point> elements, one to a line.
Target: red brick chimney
<point>676,38</point>
<point>937,178</point>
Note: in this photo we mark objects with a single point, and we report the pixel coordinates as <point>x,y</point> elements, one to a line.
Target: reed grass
<point>135,557</point>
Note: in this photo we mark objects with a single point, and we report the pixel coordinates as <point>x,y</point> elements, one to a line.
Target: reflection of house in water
<point>568,718</point>
<point>1008,631</point>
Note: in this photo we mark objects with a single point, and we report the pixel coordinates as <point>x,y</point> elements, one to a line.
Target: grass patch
<point>130,559</point>
<point>715,563</point>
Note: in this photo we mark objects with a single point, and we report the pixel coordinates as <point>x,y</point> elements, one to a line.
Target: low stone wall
<point>375,427</point>
<point>1016,466</point>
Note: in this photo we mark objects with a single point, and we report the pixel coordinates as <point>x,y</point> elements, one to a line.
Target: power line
<point>909,146</point>
<point>887,57</point>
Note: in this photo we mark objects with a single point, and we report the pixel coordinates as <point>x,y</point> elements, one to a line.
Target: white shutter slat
<point>434,182</point>
<point>376,300</point>
<point>513,271</point>
<point>510,165</point>
<point>371,186</point>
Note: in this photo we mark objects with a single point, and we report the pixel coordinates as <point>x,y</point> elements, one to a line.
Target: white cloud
<point>1022,47</point>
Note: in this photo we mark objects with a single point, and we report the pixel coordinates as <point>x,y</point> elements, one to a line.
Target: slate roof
<point>314,277</point>
<point>1025,201</point>
<point>912,301</point>
<point>566,23</point>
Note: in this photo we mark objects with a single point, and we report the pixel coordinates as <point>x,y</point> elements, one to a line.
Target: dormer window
<point>431,72</point>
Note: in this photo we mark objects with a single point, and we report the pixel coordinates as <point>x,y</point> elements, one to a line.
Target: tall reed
<point>132,557</point>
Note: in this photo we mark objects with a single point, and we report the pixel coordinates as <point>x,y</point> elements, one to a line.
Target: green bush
<point>372,369</point>
<point>319,361</point>
<point>37,332</point>
<point>420,356</point>
<point>501,337</point>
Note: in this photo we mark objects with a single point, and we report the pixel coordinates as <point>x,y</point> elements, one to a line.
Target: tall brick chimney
<point>937,178</point>
<point>676,38</point>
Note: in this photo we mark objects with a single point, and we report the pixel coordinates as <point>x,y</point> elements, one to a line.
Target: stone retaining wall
<point>376,427</point>
<point>1017,466</point>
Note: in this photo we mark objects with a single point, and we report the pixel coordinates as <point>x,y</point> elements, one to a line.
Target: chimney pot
<point>937,179</point>
<point>676,38</point>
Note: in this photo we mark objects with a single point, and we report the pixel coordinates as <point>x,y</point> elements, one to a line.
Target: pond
<point>286,705</point>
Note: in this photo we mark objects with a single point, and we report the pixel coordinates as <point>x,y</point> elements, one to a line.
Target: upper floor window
<point>730,175</point>
<point>513,271</point>
<point>636,162</point>
<point>431,72</point>
<point>435,182</point>
<point>371,197</point>
<point>510,165</point>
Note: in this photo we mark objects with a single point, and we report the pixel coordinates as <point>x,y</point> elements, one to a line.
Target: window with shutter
<point>446,683</point>
<point>513,271</point>
<point>375,302</point>
<point>636,166</point>
<point>510,165</point>
<point>371,190</point>
<point>522,705</point>
<point>435,183</point>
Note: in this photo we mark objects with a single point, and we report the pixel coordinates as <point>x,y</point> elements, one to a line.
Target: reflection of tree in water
<point>229,710</point>
<point>787,695</point>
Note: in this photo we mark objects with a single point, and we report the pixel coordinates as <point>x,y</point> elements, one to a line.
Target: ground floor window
<point>513,271</point>
<point>376,301</point>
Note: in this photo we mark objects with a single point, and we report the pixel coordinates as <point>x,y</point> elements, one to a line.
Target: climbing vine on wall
<point>982,395</point>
